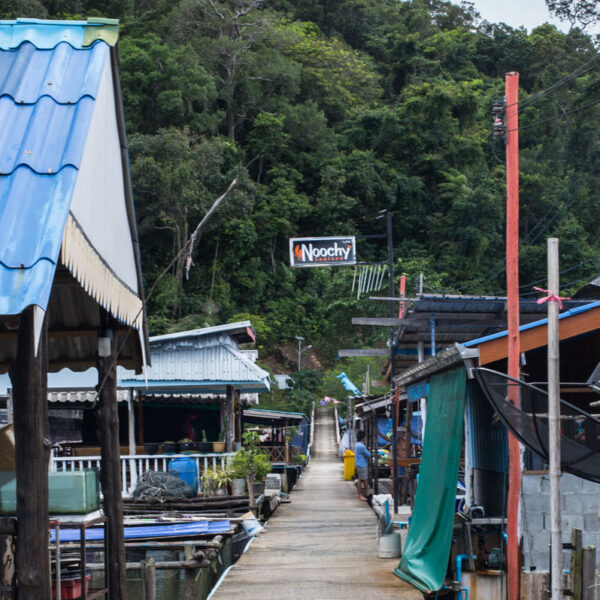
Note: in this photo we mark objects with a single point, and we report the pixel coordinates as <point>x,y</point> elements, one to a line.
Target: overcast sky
<point>529,13</point>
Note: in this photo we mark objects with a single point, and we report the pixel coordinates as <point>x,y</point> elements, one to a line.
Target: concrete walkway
<point>322,546</point>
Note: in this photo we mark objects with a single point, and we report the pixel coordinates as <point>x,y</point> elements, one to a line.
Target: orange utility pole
<point>514,350</point>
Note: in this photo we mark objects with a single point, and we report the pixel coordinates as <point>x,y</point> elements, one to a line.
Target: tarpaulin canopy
<point>427,548</point>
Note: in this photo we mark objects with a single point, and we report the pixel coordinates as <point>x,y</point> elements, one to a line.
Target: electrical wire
<point>565,114</point>
<point>578,72</point>
<point>543,279</point>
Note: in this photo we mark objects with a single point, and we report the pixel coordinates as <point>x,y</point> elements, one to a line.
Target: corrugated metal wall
<point>489,445</point>
<point>488,452</point>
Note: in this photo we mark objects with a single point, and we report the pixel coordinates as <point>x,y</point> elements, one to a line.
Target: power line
<point>581,70</point>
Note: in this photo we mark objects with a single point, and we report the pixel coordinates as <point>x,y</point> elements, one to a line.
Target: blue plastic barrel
<point>185,468</point>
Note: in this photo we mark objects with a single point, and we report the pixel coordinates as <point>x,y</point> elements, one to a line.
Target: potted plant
<point>300,459</point>
<point>204,445</point>
<point>219,445</point>
<point>186,445</point>
<point>151,447</point>
<point>250,462</point>
<point>215,480</point>
<point>169,447</point>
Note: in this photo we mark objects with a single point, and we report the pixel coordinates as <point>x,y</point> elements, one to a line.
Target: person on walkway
<point>362,466</point>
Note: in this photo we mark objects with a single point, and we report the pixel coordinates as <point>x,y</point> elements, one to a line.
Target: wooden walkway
<point>322,546</point>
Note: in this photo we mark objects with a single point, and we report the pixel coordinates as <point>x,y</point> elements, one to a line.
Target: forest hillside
<point>312,116</point>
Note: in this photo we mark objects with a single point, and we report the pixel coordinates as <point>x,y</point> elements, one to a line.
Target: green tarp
<point>425,557</point>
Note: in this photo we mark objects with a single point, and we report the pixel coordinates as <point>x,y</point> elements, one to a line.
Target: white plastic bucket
<point>251,526</point>
<point>389,545</point>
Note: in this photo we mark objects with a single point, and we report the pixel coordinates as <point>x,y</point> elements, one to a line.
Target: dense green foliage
<point>328,112</point>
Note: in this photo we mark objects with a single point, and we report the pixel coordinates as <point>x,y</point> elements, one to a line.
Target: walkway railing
<point>134,466</point>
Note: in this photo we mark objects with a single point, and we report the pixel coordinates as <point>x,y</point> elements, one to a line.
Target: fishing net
<point>154,487</point>
<point>580,432</point>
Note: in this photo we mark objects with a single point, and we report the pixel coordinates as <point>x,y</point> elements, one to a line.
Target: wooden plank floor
<point>322,546</point>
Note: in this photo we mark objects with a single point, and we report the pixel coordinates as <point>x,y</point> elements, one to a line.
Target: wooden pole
<point>588,573</point>
<point>148,573</point>
<point>131,422</point>
<point>190,576</point>
<point>110,471</point>
<point>28,375</point>
<point>390,260</point>
<point>512,290</point>
<point>228,419</point>
<point>238,416</point>
<point>140,416</point>
<point>554,423</point>
<point>576,562</point>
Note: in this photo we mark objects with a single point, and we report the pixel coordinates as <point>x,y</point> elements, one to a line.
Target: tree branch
<point>188,260</point>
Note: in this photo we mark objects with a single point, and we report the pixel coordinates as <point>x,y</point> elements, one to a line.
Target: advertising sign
<point>322,251</point>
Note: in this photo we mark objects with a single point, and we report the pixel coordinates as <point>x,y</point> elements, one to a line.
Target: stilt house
<point>70,276</point>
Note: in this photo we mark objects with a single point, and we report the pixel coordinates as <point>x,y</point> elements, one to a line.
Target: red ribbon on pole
<point>550,297</point>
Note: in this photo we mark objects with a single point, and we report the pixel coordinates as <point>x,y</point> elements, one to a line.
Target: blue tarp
<point>147,531</point>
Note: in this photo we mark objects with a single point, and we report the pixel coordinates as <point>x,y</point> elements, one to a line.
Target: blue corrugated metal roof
<point>28,73</point>
<point>200,369</point>
<point>44,34</point>
<point>564,315</point>
<point>46,104</point>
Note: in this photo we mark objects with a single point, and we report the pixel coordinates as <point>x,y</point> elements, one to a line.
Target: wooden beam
<point>537,337</point>
<point>110,472</point>
<point>28,376</point>
<point>378,321</point>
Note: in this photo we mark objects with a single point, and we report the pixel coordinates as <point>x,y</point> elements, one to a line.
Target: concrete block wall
<point>580,505</point>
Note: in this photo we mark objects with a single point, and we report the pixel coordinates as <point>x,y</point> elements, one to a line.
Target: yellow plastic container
<point>348,465</point>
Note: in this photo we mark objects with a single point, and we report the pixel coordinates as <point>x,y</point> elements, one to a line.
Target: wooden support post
<point>287,443</point>
<point>140,416</point>
<point>228,419</point>
<point>8,573</point>
<point>131,422</point>
<point>576,560</point>
<point>110,471</point>
<point>189,576</point>
<point>512,292</point>
<point>238,416</point>
<point>148,579</point>
<point>588,574</point>
<point>28,375</point>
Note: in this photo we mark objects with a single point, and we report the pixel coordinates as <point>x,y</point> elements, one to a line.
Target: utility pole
<point>390,249</point>
<point>556,560</point>
<point>512,292</point>
<point>300,339</point>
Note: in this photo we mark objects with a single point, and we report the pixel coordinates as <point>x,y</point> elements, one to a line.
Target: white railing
<point>134,466</point>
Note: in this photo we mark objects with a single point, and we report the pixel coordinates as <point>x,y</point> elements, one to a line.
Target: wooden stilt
<point>28,375</point>
<point>110,474</point>
<point>588,573</point>
<point>148,579</point>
